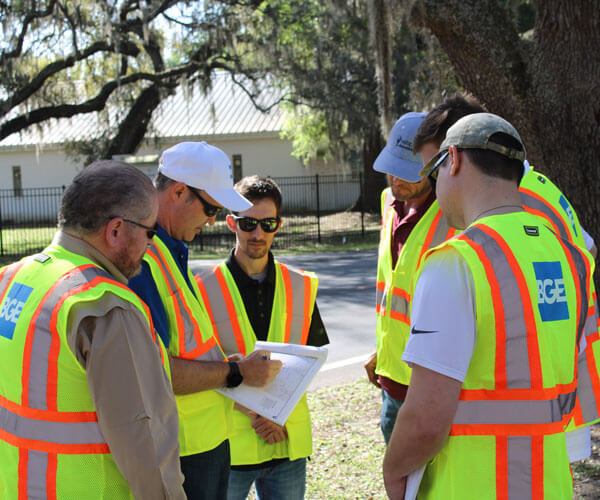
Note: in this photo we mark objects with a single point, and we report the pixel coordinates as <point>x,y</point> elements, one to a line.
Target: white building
<point>224,117</point>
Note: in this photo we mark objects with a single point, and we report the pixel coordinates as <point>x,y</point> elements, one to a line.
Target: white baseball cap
<point>206,167</point>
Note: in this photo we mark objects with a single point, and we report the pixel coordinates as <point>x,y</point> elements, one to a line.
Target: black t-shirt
<point>258,301</point>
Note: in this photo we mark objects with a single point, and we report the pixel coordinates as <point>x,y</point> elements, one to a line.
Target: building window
<point>17,182</point>
<point>237,167</point>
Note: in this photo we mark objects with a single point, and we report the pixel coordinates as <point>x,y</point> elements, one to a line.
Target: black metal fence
<point>319,209</point>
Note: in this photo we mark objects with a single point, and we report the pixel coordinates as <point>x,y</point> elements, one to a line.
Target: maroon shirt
<point>402,224</point>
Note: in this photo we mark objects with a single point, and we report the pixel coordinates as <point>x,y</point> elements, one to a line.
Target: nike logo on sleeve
<point>415,331</point>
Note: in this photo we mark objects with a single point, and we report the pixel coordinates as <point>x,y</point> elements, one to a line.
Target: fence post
<point>318,210</point>
<point>362,204</point>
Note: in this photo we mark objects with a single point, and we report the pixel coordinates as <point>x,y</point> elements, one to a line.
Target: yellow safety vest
<point>205,417</point>
<point>393,285</point>
<point>293,304</point>
<point>542,198</point>
<point>50,443</point>
<point>531,297</point>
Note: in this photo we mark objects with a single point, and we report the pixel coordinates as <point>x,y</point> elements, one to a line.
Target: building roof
<point>225,110</point>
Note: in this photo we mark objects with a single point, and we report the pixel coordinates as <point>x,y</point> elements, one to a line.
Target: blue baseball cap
<point>397,158</point>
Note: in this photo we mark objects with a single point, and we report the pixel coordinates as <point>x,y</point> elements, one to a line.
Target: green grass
<point>348,447</point>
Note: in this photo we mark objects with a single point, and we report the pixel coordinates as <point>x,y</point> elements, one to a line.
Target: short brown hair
<point>256,188</point>
<point>443,116</point>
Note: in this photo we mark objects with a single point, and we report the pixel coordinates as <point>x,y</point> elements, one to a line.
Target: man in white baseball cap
<point>194,184</point>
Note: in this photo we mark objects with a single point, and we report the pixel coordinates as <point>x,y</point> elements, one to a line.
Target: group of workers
<point>488,353</point>
<point>487,331</point>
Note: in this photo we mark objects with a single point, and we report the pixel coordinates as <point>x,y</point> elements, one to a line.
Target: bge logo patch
<point>11,308</point>
<point>552,298</point>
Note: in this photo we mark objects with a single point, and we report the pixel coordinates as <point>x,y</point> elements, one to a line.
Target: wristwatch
<point>235,377</point>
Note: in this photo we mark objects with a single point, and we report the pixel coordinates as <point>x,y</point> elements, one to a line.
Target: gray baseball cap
<point>473,132</point>
<point>397,158</point>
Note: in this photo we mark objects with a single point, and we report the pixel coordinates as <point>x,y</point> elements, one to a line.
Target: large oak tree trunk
<point>547,85</point>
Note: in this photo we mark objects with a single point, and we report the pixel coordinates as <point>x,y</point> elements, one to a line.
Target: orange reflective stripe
<point>307,316</point>
<point>289,304</point>
<point>47,415</point>
<point>537,467</point>
<point>507,429</point>
<point>159,259</point>
<point>52,465</point>
<point>23,460</point>
<point>518,394</point>
<point>429,237</point>
<point>401,293</point>
<point>545,215</point>
<point>47,447</point>
<point>400,317</point>
<point>501,468</point>
<point>501,380</point>
<point>535,364</point>
<point>235,324</point>
<point>206,303</point>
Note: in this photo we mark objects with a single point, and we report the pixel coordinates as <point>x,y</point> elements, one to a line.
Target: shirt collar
<point>242,279</point>
<point>81,247</point>
<point>176,247</point>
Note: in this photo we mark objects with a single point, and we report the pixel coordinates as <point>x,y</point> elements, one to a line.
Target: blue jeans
<point>206,474</point>
<point>284,481</point>
<point>389,410</point>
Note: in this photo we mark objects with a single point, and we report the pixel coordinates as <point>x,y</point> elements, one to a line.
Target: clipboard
<point>277,400</point>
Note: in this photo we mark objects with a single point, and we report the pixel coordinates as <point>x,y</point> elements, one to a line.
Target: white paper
<point>413,482</point>
<point>277,400</point>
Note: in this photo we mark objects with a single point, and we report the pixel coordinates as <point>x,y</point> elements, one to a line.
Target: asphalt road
<point>346,299</point>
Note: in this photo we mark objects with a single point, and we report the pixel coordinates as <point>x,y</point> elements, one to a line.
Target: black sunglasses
<point>210,210</point>
<point>248,224</point>
<point>433,173</point>
<point>150,231</point>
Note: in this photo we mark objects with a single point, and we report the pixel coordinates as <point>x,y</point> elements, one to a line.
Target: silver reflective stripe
<point>441,232</point>
<point>519,468</point>
<point>220,313</point>
<point>581,270</point>
<point>37,467</point>
<point>517,360</point>
<point>514,412</point>
<point>379,296</point>
<point>298,291</point>
<point>176,294</point>
<point>9,273</point>
<point>42,336</point>
<point>49,431</point>
<point>532,202</point>
<point>400,304</point>
<point>591,323</point>
<point>585,390</point>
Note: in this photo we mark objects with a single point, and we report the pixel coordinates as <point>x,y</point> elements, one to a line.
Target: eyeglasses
<point>433,173</point>
<point>248,224</point>
<point>210,210</point>
<point>150,231</point>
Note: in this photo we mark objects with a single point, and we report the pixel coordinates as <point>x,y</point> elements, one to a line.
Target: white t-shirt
<point>443,329</point>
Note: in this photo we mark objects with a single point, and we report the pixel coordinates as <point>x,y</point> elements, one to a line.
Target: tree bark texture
<point>374,182</point>
<point>547,86</point>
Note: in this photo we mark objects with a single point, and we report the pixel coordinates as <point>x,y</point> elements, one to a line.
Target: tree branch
<point>97,103</point>
<point>51,69</point>
<point>31,16</point>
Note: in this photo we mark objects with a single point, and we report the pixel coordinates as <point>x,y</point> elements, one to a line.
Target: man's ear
<point>114,231</point>
<point>230,222</point>
<point>177,191</point>
<point>455,160</point>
